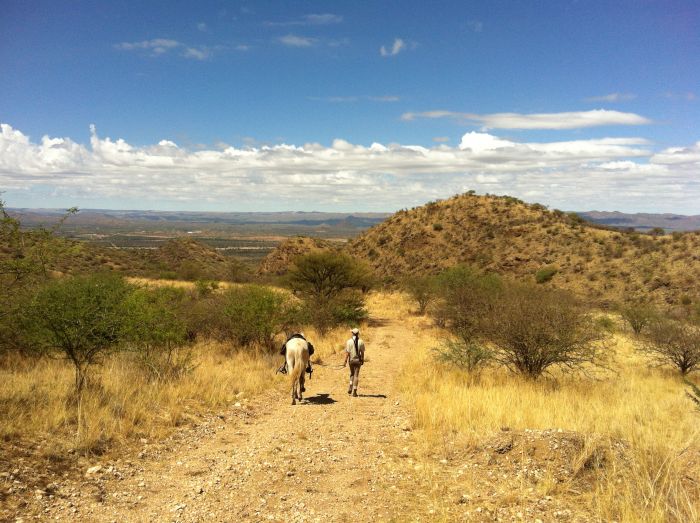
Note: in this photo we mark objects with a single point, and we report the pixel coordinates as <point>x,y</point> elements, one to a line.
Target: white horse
<point>297,361</point>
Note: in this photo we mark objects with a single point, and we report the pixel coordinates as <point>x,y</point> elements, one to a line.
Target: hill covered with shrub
<point>530,242</point>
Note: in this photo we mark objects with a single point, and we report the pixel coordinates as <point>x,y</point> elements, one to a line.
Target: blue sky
<point>277,105</point>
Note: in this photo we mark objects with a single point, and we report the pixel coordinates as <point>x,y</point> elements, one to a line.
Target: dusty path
<point>328,459</point>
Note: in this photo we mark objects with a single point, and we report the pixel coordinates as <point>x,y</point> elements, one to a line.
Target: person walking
<point>355,355</point>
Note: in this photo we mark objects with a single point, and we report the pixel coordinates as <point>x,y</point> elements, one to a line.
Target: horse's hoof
<point>294,402</point>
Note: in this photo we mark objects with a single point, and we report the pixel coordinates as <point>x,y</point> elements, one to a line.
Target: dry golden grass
<point>37,398</point>
<point>643,409</point>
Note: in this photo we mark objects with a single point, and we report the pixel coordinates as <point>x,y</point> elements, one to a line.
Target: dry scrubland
<point>634,435</point>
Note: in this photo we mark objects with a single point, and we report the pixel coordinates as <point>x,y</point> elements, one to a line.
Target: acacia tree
<point>332,285</point>
<point>672,342</point>
<point>81,319</point>
<point>533,329</point>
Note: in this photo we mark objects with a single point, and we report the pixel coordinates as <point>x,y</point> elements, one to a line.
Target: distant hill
<point>343,224</point>
<point>508,236</point>
<point>644,221</point>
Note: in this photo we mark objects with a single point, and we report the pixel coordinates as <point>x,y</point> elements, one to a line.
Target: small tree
<point>156,331</point>
<point>80,318</point>
<point>534,329</point>
<point>639,316</point>
<point>672,342</point>
<point>323,275</point>
<point>467,298</point>
<point>331,285</point>
<point>25,259</point>
<point>423,289</point>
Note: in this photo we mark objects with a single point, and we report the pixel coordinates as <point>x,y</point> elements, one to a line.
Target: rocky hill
<point>530,242</point>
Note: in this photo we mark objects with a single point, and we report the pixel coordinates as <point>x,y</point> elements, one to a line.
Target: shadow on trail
<point>371,396</point>
<point>378,322</point>
<point>320,399</point>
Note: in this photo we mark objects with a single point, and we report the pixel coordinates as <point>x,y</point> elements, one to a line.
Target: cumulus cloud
<point>398,46</point>
<point>291,40</point>
<point>565,120</point>
<point>612,97</point>
<point>612,173</point>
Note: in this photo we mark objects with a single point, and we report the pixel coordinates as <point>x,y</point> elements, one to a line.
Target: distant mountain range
<point>348,221</point>
<point>643,221</point>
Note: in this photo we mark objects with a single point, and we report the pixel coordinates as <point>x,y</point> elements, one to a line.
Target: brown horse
<point>297,360</point>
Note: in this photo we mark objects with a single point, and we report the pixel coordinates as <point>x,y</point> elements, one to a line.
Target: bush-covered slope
<point>528,241</point>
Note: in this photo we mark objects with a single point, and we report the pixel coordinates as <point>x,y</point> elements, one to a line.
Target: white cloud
<point>161,46</point>
<point>387,99</point>
<point>200,53</point>
<point>308,20</point>
<point>156,46</point>
<point>202,26</point>
<point>346,99</point>
<point>565,120</point>
<point>291,40</point>
<point>611,173</point>
<point>398,46</point>
<point>613,97</point>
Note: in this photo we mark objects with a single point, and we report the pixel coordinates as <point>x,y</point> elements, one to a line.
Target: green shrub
<point>254,314</point>
<point>437,227</point>
<point>545,274</point>
<point>466,297</point>
<point>423,289</point>
<point>470,356</point>
<point>157,332</point>
<point>638,316</point>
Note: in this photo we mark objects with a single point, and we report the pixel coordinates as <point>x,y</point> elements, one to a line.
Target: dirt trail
<point>328,459</point>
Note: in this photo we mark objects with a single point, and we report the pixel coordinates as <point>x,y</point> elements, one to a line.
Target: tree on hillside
<point>533,329</point>
<point>332,286</point>
<point>639,316</point>
<point>673,342</point>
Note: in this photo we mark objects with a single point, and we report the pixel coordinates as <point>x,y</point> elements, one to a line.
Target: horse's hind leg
<point>301,385</point>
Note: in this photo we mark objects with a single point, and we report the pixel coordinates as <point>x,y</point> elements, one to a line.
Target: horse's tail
<point>295,373</point>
